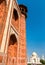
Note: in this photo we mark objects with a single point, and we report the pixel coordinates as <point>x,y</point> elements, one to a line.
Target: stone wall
<point>17,50</point>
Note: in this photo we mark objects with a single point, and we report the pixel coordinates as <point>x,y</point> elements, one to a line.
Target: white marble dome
<point>34,54</point>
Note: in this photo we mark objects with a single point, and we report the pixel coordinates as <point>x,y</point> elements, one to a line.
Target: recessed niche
<point>15,14</point>
<point>12,40</point>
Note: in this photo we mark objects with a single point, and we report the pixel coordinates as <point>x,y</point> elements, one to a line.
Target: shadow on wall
<point>2,1</point>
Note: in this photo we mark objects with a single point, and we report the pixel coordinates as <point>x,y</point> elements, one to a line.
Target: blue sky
<point>35,26</point>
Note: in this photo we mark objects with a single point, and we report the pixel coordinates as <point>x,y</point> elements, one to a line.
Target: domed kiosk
<point>34,54</point>
<point>34,59</point>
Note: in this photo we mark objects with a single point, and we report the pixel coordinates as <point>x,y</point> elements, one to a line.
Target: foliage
<point>42,61</point>
<point>29,64</point>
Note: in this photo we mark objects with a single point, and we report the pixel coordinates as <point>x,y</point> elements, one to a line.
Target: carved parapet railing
<point>11,61</point>
<point>3,58</point>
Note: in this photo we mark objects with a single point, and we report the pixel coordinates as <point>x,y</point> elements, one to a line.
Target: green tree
<point>42,61</point>
<point>29,64</point>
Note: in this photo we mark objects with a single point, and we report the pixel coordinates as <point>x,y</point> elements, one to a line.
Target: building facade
<point>12,33</point>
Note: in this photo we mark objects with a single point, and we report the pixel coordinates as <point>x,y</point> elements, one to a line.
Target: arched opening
<point>34,60</point>
<point>12,47</point>
<point>15,14</point>
<point>12,40</point>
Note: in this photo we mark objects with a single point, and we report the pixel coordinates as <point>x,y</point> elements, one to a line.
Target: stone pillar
<point>22,58</point>
<point>22,40</point>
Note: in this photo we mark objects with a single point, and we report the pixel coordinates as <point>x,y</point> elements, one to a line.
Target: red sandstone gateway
<point>12,33</point>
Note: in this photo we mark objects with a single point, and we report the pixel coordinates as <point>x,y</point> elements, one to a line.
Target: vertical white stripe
<point>6,28</point>
<point>9,32</point>
<point>7,2</point>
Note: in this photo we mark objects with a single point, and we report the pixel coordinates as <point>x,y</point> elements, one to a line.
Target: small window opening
<point>15,14</point>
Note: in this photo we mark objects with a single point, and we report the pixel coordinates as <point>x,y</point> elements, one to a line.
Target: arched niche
<point>15,14</point>
<point>2,1</point>
<point>12,47</point>
<point>12,40</point>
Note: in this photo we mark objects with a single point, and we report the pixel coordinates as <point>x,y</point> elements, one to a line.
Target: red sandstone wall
<point>2,19</point>
<point>21,54</point>
<point>22,41</point>
<point>3,16</point>
<point>21,59</point>
<point>12,53</point>
<point>15,24</point>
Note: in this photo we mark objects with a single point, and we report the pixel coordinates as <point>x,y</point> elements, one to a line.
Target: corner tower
<point>22,35</point>
<point>13,40</point>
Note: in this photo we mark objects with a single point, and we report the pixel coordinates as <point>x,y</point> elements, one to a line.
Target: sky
<point>35,26</point>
